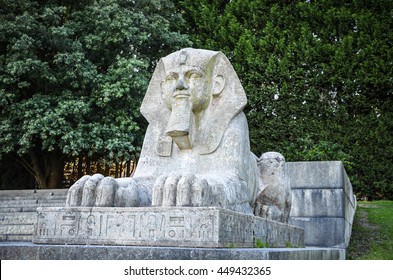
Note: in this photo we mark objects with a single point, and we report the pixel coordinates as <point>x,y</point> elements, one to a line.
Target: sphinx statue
<point>196,150</point>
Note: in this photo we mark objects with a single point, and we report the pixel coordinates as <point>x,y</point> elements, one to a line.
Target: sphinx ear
<point>218,85</point>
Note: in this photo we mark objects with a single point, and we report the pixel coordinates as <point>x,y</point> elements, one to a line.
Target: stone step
<point>18,218</point>
<point>32,202</point>
<point>18,211</point>
<point>24,208</point>
<point>29,207</point>
<point>17,226</point>
<point>17,229</point>
<point>29,251</point>
<point>15,194</point>
<point>17,238</point>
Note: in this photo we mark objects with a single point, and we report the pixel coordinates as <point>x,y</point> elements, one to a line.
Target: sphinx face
<point>186,85</point>
<point>185,92</point>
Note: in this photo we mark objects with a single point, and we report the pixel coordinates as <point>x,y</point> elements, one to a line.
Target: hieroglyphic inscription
<point>135,225</point>
<point>237,228</point>
<point>150,226</point>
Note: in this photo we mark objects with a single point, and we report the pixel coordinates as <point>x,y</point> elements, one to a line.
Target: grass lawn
<point>372,232</point>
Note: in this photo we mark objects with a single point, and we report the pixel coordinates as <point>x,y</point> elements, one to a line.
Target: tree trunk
<point>116,169</point>
<point>133,168</point>
<point>80,165</point>
<point>54,173</point>
<point>128,169</point>
<point>107,169</point>
<point>46,167</point>
<point>99,167</point>
<point>120,170</point>
<point>88,171</point>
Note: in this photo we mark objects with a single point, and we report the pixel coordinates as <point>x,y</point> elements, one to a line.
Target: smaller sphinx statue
<point>274,201</point>
<point>196,150</point>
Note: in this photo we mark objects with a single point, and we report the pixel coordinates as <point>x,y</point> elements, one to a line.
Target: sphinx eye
<point>194,75</point>
<point>172,77</point>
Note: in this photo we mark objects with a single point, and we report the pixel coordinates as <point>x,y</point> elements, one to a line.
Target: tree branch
<point>25,164</point>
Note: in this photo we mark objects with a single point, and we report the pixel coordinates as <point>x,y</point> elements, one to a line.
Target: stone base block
<point>322,232</point>
<point>29,251</point>
<point>16,226</point>
<point>322,202</point>
<point>162,226</point>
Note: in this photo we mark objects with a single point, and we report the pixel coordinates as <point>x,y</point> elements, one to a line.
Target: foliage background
<point>318,76</point>
<point>73,74</point>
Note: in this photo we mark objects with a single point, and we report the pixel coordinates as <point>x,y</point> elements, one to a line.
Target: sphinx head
<point>192,91</point>
<point>188,88</point>
<point>189,76</point>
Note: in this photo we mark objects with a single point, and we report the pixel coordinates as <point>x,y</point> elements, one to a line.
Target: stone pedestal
<point>29,251</point>
<point>162,226</point>
<point>322,202</point>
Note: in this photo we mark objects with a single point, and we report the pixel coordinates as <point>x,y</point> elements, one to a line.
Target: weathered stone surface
<point>316,174</point>
<point>18,211</point>
<point>46,194</point>
<point>322,231</point>
<point>324,209</point>
<point>322,202</point>
<point>275,200</point>
<point>29,251</point>
<point>29,200</point>
<point>16,229</point>
<point>196,150</point>
<point>318,203</point>
<point>152,226</point>
<point>16,226</point>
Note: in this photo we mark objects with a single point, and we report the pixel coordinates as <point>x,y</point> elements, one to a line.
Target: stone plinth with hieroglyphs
<point>163,226</point>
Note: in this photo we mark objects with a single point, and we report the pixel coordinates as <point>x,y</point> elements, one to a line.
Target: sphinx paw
<point>181,190</point>
<point>90,191</point>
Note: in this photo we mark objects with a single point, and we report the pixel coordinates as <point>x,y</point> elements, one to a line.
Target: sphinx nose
<point>181,85</point>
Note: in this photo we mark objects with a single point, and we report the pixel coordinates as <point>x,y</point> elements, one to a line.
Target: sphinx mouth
<point>181,94</point>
